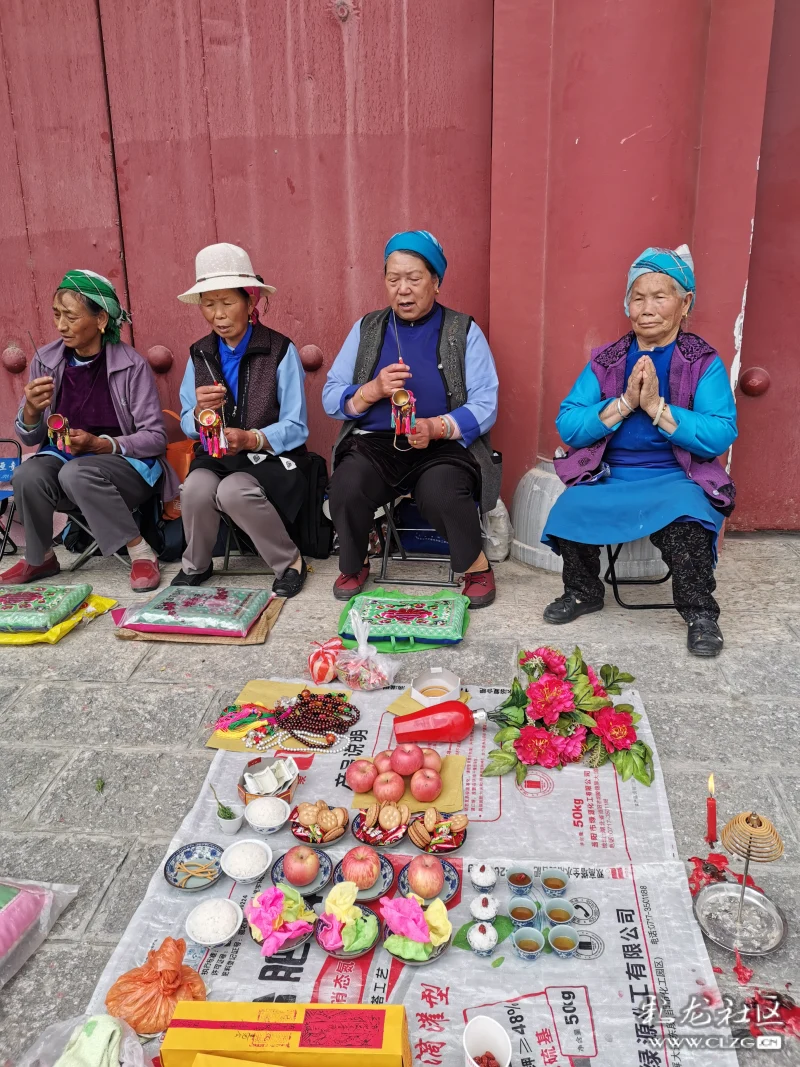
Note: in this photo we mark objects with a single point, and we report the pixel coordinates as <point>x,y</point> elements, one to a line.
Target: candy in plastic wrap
<point>322,660</point>
<point>364,667</point>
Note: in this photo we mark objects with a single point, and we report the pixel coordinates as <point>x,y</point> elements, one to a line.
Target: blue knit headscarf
<point>677,263</point>
<point>423,244</point>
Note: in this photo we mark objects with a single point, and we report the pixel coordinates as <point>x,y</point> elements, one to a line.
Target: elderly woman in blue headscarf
<point>645,422</point>
<point>445,457</point>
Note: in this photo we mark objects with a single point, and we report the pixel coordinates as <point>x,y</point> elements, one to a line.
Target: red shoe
<point>347,585</point>
<point>479,588</point>
<point>23,572</point>
<point>145,575</point>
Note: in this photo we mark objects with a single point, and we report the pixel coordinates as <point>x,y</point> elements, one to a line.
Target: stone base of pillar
<point>536,493</point>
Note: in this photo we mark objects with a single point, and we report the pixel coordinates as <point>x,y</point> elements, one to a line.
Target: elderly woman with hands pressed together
<point>106,395</point>
<point>446,459</point>
<point>645,422</point>
<point>252,376</point>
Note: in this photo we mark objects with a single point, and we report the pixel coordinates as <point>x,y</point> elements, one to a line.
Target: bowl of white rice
<point>266,815</point>
<point>214,922</point>
<point>246,860</point>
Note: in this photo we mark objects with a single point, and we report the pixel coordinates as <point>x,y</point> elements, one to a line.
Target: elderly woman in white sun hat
<point>252,375</point>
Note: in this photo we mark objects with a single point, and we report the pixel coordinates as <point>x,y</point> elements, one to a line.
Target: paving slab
<point>89,861</point>
<point>24,777</point>
<point>168,662</point>
<point>55,984</point>
<point>92,654</point>
<point>136,715</point>
<point>143,793</point>
<point>127,890</point>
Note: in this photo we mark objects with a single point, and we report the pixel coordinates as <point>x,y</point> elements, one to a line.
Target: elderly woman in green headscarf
<point>92,406</point>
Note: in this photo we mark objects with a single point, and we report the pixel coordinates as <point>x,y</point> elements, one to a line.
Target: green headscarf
<point>97,288</point>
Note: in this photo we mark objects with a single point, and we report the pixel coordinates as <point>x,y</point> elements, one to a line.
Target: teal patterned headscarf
<point>677,263</point>
<point>97,288</point>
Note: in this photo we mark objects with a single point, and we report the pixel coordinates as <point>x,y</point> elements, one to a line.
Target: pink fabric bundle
<point>322,660</point>
<point>404,916</point>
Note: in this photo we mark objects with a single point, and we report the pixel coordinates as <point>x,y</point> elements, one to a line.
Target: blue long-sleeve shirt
<point>706,431</point>
<point>291,429</point>
<point>474,418</point>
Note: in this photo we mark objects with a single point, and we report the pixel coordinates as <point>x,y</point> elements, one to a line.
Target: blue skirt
<point>632,502</point>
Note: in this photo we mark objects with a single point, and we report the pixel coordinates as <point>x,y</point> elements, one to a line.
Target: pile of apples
<point>384,775</point>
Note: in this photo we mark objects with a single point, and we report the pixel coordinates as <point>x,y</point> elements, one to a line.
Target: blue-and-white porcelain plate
<point>340,954</point>
<point>323,875</point>
<point>449,889</point>
<point>381,887</point>
<point>197,854</point>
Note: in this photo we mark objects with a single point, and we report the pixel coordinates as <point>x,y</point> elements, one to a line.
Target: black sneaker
<point>291,581</point>
<point>567,608</point>
<point>182,578</point>
<point>704,638</point>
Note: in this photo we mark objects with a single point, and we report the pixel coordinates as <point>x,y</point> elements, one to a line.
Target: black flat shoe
<point>704,638</point>
<point>182,578</point>
<point>291,581</point>
<point>567,608</point>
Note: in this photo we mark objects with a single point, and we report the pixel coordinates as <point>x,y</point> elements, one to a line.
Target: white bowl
<point>267,830</point>
<point>223,861</point>
<point>237,915</point>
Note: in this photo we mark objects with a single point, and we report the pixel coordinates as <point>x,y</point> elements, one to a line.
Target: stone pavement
<point>132,714</point>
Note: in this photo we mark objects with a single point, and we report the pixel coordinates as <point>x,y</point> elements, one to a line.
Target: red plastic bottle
<point>448,722</point>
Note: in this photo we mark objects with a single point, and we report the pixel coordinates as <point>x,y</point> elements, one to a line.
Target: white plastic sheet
<point>638,936</point>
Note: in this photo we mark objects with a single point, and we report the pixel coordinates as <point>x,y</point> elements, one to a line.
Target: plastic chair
<point>8,464</point>
<point>611,579</point>
<point>393,549</point>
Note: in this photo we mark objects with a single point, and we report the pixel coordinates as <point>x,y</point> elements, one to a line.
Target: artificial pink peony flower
<point>571,747</point>
<point>548,698</point>
<point>537,745</point>
<point>615,729</point>
<point>595,682</point>
<point>554,661</point>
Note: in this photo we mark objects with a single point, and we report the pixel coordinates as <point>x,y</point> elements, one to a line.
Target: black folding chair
<point>393,549</point>
<point>8,464</point>
<point>615,582</point>
<point>244,547</point>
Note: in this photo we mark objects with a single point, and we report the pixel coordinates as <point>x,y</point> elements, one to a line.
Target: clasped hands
<point>642,390</point>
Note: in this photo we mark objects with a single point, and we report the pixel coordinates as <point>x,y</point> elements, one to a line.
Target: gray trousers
<point>105,489</point>
<point>204,497</point>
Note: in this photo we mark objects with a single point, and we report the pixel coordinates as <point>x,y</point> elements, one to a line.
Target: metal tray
<point>764,928</point>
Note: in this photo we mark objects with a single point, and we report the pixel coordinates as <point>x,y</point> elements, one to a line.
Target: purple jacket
<point>136,403</point>
<point>690,358</point>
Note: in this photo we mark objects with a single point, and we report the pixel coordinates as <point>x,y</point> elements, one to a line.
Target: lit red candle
<point>711,813</point>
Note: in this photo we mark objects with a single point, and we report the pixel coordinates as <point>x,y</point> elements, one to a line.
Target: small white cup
<point>483,1034</point>
<point>559,904</point>
<point>232,826</point>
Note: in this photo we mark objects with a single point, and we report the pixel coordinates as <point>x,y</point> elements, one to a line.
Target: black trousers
<point>685,547</point>
<point>443,493</point>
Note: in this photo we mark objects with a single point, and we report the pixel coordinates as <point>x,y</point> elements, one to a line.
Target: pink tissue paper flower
<point>404,916</point>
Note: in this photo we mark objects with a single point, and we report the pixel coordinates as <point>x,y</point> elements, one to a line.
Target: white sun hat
<point>223,266</point>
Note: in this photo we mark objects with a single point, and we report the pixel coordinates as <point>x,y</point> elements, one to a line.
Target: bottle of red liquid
<point>448,722</point>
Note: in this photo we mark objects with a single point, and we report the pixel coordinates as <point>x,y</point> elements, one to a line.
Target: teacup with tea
<point>563,941</point>
<point>554,881</point>
<point>528,942</point>
<point>523,911</point>
<point>520,880</point>
<point>559,911</point>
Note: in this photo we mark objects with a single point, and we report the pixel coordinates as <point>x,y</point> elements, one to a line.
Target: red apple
<point>431,759</point>
<point>360,775</point>
<point>362,866</point>
<point>406,759</point>
<point>426,785</point>
<point>426,876</point>
<point>388,786</point>
<point>383,761</point>
<point>301,865</point>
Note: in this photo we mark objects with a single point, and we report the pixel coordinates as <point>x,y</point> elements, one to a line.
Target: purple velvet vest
<point>690,358</point>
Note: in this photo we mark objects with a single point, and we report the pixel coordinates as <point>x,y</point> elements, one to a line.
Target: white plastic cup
<point>483,1034</point>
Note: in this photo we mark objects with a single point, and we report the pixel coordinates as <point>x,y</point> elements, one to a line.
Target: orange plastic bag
<point>146,996</point>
